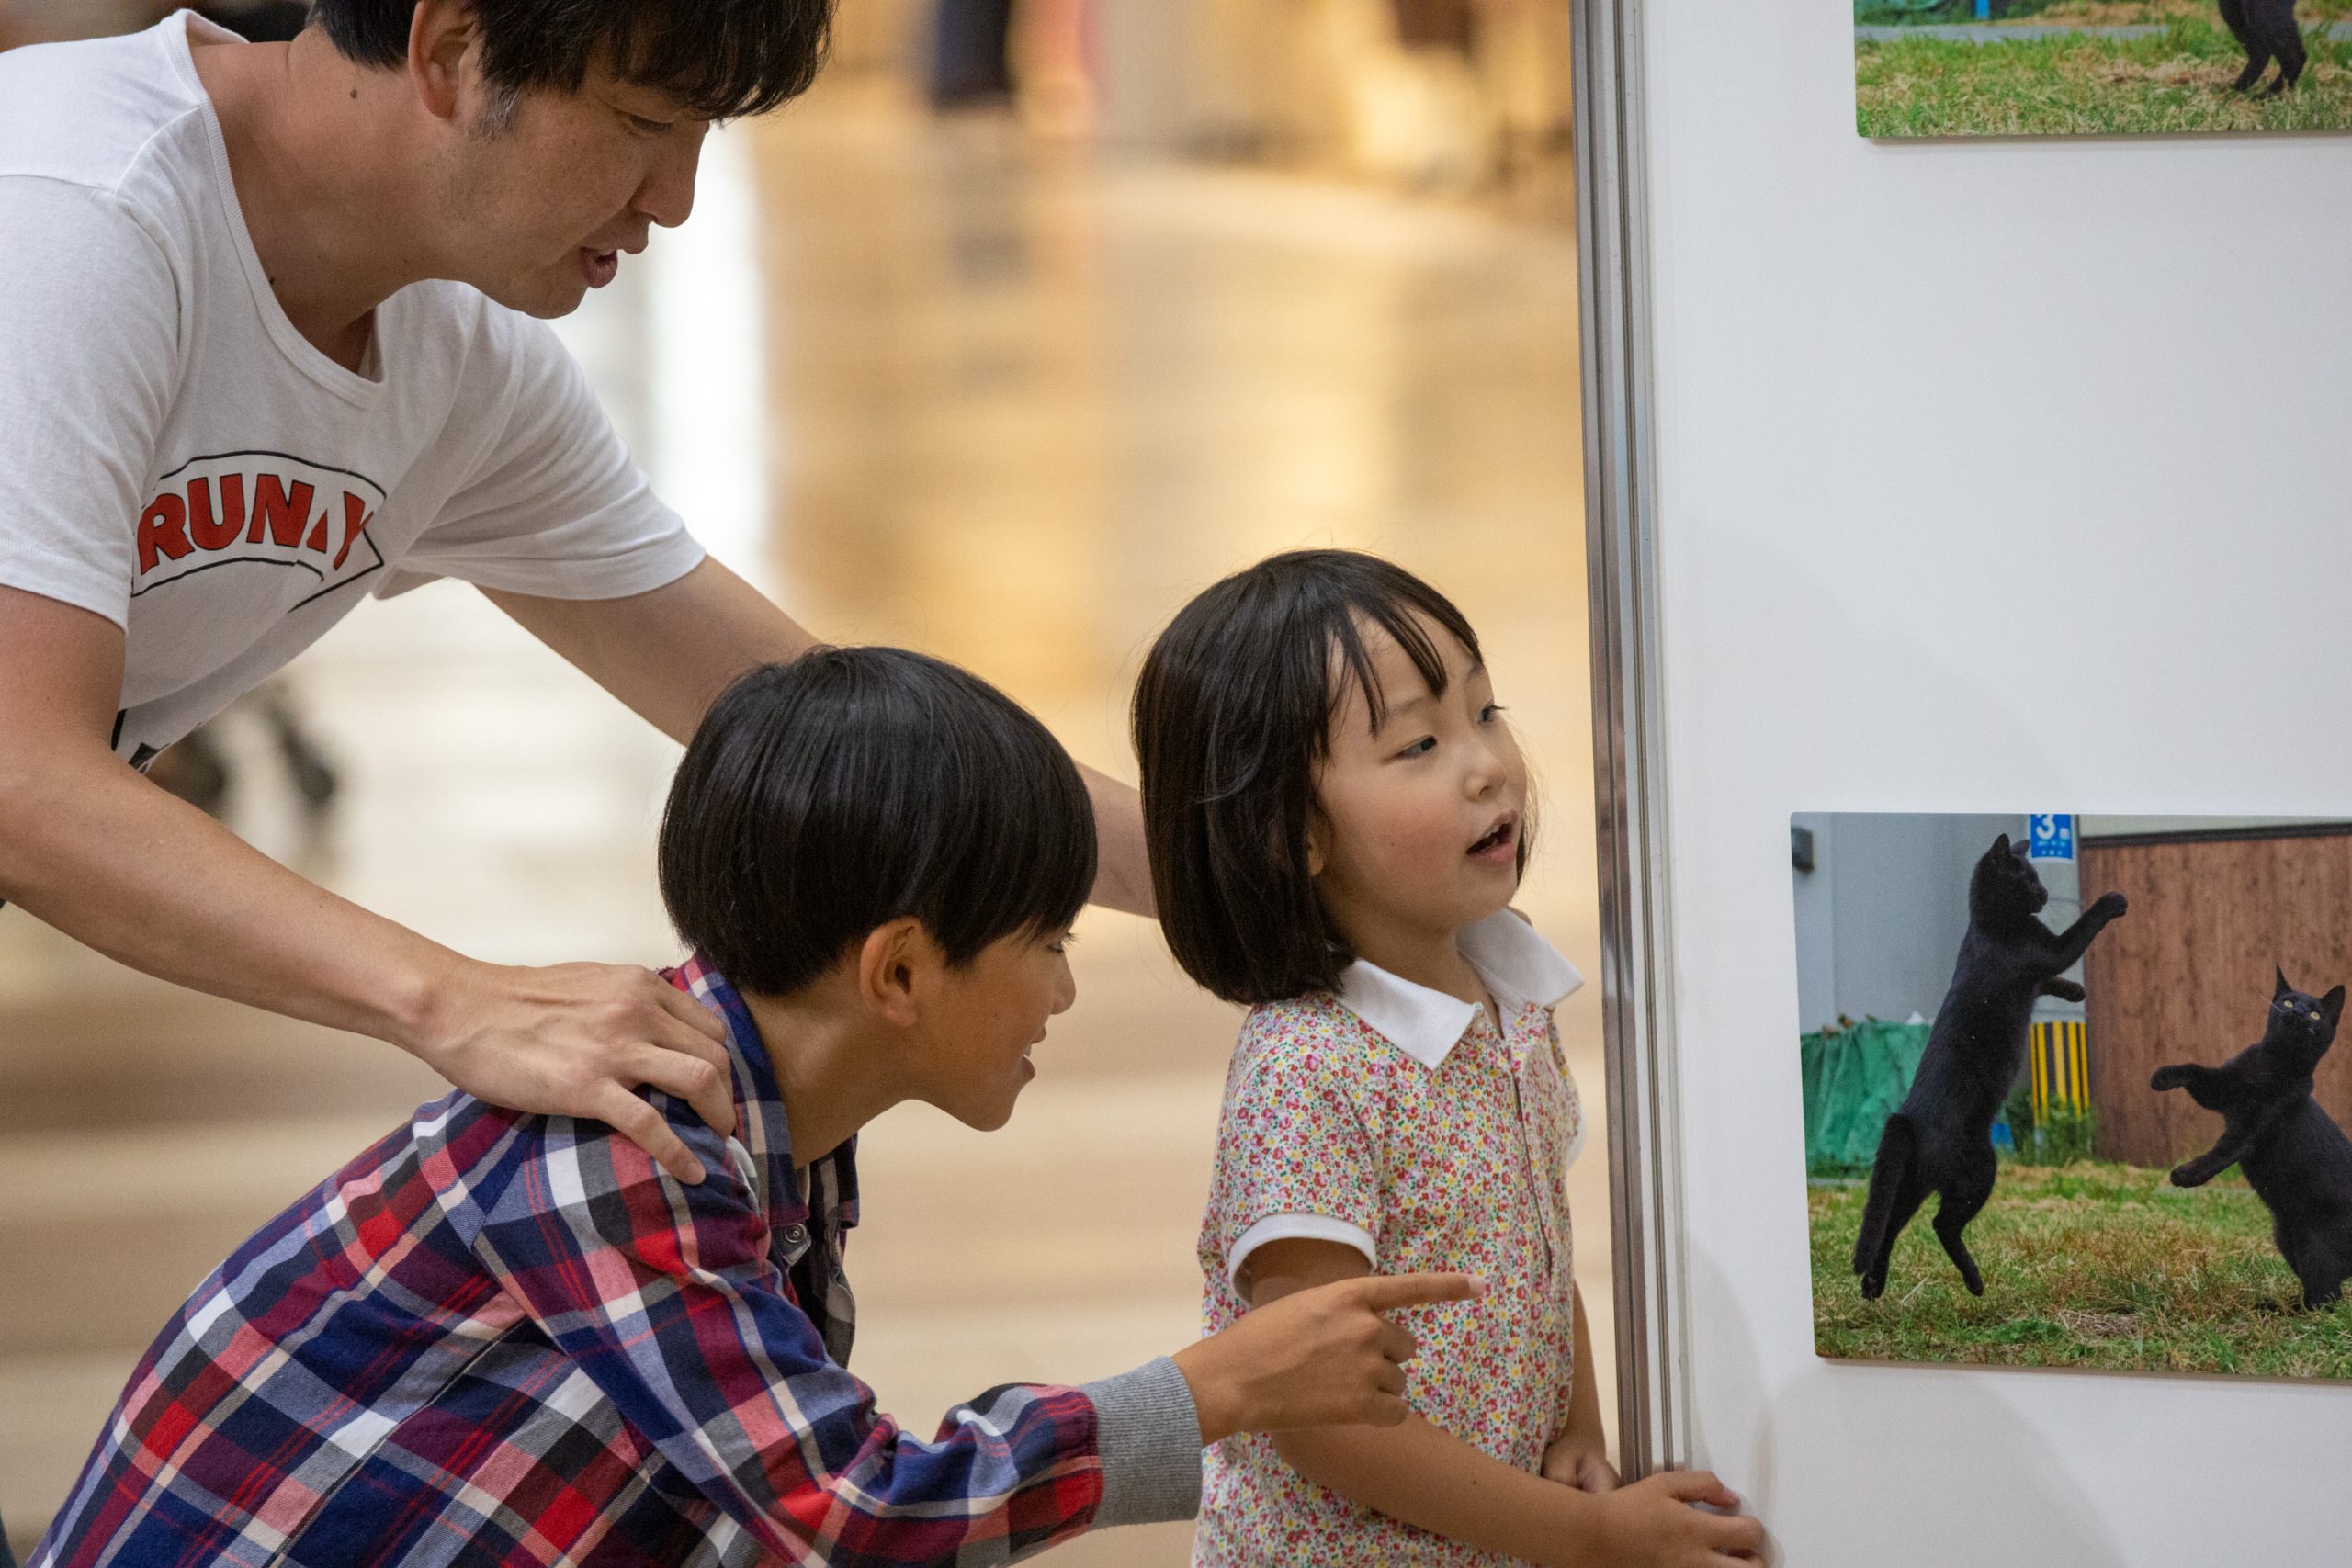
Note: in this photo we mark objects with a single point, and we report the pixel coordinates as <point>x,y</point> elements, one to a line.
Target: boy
<point>497,1338</point>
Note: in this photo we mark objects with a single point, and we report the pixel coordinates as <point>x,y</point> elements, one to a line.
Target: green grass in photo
<point>2087,1265</point>
<point>2088,85</point>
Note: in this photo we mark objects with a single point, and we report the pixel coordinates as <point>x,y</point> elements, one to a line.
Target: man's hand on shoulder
<point>577,1039</point>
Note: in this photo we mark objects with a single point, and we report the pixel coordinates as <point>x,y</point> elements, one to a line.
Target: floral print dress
<point>1403,1123</point>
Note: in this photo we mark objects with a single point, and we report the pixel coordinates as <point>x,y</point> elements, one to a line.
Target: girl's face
<point>1418,821</point>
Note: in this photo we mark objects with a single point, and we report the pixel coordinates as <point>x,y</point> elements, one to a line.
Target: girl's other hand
<point>1654,1523</point>
<point>1578,1459</point>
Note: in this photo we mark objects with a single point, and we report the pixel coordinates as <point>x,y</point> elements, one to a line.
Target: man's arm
<point>92,848</point>
<point>669,654</point>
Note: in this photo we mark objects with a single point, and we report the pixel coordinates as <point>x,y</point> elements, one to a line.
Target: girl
<point>1337,820</point>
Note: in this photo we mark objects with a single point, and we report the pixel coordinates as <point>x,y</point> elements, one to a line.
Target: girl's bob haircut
<point>856,787</point>
<point>1232,717</point>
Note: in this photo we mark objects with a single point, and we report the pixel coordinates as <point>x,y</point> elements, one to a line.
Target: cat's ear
<point>2283,987</point>
<point>2001,845</point>
<point>2330,1006</point>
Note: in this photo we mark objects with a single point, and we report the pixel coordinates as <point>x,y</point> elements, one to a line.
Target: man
<point>268,349</point>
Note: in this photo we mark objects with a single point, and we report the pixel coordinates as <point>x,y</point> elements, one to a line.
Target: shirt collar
<point>759,1099</point>
<point>1520,967</point>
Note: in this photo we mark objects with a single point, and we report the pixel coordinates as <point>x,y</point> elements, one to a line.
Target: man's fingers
<point>1386,1292</point>
<point>687,1009</point>
<point>1398,1344</point>
<point>1392,1381</point>
<point>642,1125</point>
<point>714,1099</point>
<point>675,1073</point>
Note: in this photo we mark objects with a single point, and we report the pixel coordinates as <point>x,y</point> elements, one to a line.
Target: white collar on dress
<point>1516,963</point>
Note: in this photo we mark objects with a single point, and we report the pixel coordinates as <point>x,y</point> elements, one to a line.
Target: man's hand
<point>1581,1459</point>
<point>1654,1524</point>
<point>1324,1356</point>
<point>576,1040</point>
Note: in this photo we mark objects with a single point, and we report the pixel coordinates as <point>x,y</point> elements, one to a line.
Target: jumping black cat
<point>2294,1155</point>
<point>2265,30</point>
<point>1941,1139</point>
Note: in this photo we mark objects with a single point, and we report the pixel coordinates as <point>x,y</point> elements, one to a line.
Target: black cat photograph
<point>1944,68</point>
<point>1994,1011</point>
<point>2295,1157</point>
<point>1940,1139</point>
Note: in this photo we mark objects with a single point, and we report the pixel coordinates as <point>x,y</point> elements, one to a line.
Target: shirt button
<point>795,1235</point>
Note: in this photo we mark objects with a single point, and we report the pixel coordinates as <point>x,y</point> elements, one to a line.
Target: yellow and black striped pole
<point>2062,1067</point>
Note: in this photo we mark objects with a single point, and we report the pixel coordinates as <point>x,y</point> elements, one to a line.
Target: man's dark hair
<point>720,58</point>
<point>856,787</point>
<point>1232,714</point>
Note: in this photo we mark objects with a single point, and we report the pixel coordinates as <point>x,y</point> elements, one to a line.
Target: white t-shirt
<point>176,457</point>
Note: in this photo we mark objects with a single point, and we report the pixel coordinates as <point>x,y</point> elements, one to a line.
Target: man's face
<point>538,211</point>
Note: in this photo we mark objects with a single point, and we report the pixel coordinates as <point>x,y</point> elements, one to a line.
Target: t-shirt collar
<point>1518,967</point>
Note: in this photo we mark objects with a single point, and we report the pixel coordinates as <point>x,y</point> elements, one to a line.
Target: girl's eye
<point>1486,715</point>
<point>645,126</point>
<point>1063,945</point>
<point>1421,748</point>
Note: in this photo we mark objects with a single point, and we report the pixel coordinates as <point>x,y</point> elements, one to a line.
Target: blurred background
<point>1034,319</point>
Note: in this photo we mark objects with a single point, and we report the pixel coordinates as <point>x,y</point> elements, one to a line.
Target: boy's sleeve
<point>663,1293</point>
<point>1294,1159</point>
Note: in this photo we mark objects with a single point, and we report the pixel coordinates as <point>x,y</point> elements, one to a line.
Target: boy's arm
<point>664,1295</point>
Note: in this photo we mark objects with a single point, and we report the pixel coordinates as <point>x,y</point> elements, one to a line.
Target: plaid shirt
<point>496,1338</point>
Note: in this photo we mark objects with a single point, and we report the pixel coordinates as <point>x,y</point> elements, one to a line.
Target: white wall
<point>1989,474</point>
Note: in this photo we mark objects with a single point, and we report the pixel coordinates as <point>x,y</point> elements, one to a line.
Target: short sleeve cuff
<point>1148,1434</point>
<point>1300,1227</point>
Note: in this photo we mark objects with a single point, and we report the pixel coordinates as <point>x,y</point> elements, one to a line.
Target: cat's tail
<point>1889,1172</point>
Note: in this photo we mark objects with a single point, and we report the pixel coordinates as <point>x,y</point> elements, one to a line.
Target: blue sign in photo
<point>2050,836</point>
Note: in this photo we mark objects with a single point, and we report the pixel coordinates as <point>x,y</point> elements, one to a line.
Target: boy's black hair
<point>1232,714</point>
<point>856,787</point>
<point>720,58</point>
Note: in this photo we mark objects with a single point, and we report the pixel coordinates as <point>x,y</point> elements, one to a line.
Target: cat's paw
<point>1873,1286</point>
<point>2065,990</point>
<point>2189,1175</point>
<point>2168,1077</point>
<point>2111,906</point>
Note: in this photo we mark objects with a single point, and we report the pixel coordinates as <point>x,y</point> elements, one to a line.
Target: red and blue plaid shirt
<point>496,1338</point>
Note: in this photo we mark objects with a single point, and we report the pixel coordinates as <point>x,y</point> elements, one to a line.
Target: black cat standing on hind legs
<point>2266,29</point>
<point>2295,1157</point>
<point>1941,1140</point>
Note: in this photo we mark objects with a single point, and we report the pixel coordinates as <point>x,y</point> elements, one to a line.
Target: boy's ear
<point>889,962</point>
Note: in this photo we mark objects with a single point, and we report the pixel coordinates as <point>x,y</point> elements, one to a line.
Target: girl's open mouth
<point>1501,837</point>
